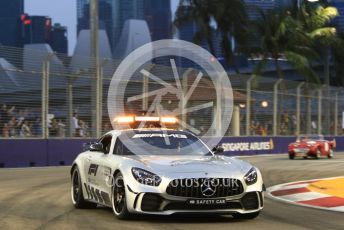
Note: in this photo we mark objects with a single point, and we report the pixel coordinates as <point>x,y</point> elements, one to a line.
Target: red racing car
<point>311,146</point>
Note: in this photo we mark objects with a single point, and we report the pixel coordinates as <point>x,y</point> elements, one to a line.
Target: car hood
<point>211,165</point>
<point>305,143</point>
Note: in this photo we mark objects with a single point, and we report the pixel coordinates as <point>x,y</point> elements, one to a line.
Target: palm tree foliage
<point>296,37</point>
<point>291,34</point>
<point>227,18</point>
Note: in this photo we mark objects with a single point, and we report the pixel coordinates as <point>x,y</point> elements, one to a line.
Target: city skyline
<point>68,17</point>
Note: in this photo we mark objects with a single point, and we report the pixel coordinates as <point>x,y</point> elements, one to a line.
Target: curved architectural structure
<point>134,34</point>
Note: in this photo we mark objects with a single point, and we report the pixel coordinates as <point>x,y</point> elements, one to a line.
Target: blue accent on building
<point>10,11</point>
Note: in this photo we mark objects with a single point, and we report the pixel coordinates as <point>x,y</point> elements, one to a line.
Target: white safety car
<point>164,171</point>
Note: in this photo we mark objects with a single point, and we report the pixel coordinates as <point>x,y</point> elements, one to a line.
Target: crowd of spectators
<point>79,127</point>
<point>17,122</point>
<point>262,126</point>
<point>24,122</point>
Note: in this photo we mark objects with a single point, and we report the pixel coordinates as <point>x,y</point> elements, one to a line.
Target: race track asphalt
<point>39,198</point>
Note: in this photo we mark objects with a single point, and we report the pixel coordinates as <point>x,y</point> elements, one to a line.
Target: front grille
<point>192,187</point>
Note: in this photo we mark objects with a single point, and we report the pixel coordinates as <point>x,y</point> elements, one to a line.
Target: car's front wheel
<point>318,154</point>
<point>330,154</point>
<point>76,192</point>
<point>291,156</point>
<point>245,216</point>
<point>119,201</point>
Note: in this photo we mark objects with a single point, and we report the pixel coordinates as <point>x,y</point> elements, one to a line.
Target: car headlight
<point>251,176</point>
<point>145,177</point>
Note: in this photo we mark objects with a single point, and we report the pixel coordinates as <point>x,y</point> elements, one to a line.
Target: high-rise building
<point>59,41</point>
<point>187,32</point>
<point>254,6</point>
<point>114,13</point>
<point>36,29</point>
<point>105,16</point>
<point>10,11</point>
<point>123,10</point>
<point>159,18</point>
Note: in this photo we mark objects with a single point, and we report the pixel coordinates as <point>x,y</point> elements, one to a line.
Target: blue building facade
<point>105,16</point>
<point>10,12</point>
<point>113,14</point>
<point>159,18</point>
<point>59,40</point>
<point>36,29</point>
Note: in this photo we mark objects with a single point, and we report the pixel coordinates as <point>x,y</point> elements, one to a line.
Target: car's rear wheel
<point>76,192</point>
<point>119,201</point>
<point>318,154</point>
<point>330,153</point>
<point>245,216</point>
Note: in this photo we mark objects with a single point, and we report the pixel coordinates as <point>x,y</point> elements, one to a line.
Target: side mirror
<point>97,147</point>
<point>218,149</point>
<point>86,146</point>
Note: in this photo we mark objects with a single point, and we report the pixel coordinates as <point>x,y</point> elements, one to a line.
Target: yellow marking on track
<point>332,187</point>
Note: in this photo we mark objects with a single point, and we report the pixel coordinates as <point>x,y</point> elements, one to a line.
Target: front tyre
<point>119,201</point>
<point>291,156</point>
<point>246,216</point>
<point>76,192</point>
<point>330,154</point>
<point>318,154</point>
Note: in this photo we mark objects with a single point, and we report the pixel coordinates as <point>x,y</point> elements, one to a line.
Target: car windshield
<point>311,137</point>
<point>162,143</point>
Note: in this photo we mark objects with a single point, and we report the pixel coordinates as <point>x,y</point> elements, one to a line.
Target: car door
<point>93,170</point>
<point>104,172</point>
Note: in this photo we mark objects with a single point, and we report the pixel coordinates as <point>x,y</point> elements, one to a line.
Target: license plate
<point>202,202</point>
<point>301,150</point>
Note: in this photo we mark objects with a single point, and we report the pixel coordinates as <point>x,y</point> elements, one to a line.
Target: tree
<point>228,18</point>
<point>295,37</point>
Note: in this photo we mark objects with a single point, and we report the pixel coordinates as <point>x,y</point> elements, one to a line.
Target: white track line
<point>303,196</point>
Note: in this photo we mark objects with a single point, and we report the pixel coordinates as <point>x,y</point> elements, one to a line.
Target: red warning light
<point>27,22</point>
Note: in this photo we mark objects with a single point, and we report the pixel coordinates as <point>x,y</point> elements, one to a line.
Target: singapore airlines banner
<point>255,145</point>
<point>264,145</point>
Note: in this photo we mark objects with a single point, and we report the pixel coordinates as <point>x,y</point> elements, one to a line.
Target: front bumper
<point>162,204</point>
<point>303,152</point>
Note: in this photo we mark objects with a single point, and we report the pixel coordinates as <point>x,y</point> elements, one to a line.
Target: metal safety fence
<point>49,95</point>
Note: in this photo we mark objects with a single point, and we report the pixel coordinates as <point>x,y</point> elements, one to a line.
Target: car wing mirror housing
<point>218,149</point>
<point>86,146</point>
<point>96,147</point>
